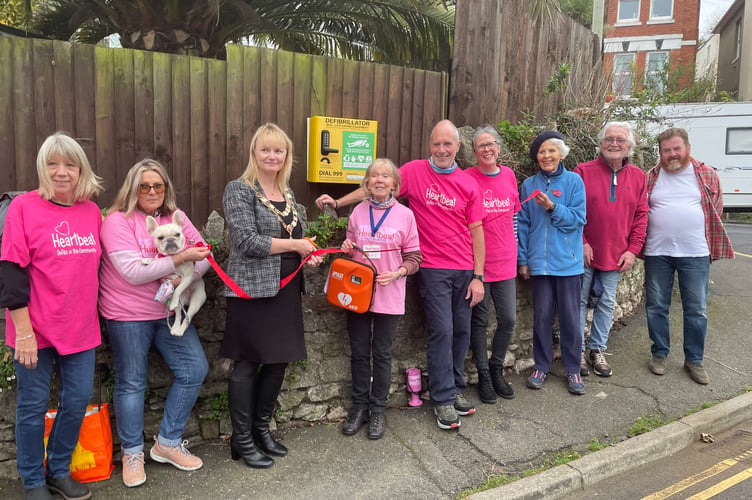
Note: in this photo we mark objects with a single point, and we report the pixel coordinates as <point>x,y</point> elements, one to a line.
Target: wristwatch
<point>551,210</point>
<point>479,277</point>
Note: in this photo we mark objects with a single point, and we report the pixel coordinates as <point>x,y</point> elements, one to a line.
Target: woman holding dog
<point>50,258</point>
<point>136,321</point>
<point>387,231</point>
<point>263,334</point>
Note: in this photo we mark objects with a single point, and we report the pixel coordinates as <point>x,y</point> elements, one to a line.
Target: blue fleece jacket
<point>550,244</point>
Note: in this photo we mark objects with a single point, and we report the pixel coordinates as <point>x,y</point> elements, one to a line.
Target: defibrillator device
<point>350,284</point>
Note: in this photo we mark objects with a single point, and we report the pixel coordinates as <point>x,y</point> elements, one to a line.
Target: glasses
<point>488,145</point>
<point>617,140</point>
<point>145,188</point>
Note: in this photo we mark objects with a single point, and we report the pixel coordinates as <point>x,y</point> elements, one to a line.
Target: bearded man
<point>685,234</point>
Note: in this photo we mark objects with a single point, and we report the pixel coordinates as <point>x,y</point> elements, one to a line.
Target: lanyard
<point>375,228</point>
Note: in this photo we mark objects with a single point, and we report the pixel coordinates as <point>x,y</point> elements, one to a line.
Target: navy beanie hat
<point>540,139</point>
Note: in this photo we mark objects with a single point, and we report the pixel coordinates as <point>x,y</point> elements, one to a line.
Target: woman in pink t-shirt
<point>49,260</point>
<point>387,232</point>
<point>136,321</point>
<point>498,187</point>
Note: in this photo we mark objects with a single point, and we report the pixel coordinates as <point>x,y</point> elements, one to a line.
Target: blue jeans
<point>560,293</point>
<point>693,273</point>
<point>130,341</point>
<point>447,312</point>
<point>371,358</point>
<point>603,314</point>
<point>76,377</point>
<point>504,294</point>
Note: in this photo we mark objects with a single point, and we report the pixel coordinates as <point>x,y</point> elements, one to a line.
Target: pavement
<point>416,459</point>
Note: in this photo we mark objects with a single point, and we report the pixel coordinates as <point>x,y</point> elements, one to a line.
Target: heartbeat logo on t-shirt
<point>494,204</point>
<point>434,196</point>
<point>67,243</point>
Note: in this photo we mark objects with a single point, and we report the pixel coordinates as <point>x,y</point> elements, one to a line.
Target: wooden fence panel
<point>7,143</point>
<point>85,110</point>
<point>143,106</point>
<point>197,116</point>
<point>504,60</point>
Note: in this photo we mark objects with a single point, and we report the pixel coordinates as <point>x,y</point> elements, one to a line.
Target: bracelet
<point>336,205</point>
<point>24,338</point>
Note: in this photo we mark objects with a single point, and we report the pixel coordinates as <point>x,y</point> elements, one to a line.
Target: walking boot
<point>500,384</point>
<point>240,396</point>
<point>485,388</point>
<point>267,391</point>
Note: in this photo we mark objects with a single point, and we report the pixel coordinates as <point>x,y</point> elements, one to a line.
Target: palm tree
<point>418,33</point>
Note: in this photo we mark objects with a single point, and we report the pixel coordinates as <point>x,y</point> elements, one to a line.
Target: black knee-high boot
<point>270,379</point>
<point>240,396</point>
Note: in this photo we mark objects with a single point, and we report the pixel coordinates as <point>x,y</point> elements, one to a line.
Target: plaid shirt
<point>712,207</point>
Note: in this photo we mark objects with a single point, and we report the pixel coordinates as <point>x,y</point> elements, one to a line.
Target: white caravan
<point>720,134</point>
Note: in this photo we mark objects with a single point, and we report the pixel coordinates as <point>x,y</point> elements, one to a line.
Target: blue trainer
<point>574,380</point>
<point>535,381</point>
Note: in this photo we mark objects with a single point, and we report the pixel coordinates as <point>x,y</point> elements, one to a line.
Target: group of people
<point>468,234</point>
<point>63,265</point>
<point>572,234</point>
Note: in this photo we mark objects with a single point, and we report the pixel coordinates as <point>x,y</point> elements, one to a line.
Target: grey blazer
<point>251,227</point>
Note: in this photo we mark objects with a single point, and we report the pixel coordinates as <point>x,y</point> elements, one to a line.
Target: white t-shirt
<point>676,222</point>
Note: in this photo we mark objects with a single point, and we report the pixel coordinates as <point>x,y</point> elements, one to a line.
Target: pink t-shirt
<point>501,201</point>
<point>398,233</point>
<point>128,286</point>
<point>444,205</point>
<point>59,248</point>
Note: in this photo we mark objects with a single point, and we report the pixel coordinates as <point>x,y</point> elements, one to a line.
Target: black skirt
<point>268,330</point>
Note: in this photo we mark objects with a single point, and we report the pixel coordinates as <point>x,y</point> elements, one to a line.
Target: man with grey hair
<point>617,219</point>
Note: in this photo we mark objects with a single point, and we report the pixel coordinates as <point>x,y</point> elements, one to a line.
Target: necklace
<point>289,207</point>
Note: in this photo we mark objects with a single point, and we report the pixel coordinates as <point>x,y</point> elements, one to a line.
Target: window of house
<point>739,141</point>
<point>663,9</point>
<point>738,53</point>
<point>629,10</point>
<point>654,66</point>
<point>622,84</point>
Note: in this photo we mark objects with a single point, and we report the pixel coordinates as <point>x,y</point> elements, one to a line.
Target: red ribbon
<point>282,283</point>
<point>532,195</point>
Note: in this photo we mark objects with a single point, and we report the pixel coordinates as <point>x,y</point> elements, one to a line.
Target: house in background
<point>706,64</point>
<point>735,50</point>
<point>641,36</point>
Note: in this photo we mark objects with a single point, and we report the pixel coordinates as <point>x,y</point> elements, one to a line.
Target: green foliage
<point>558,80</point>
<point>647,423</point>
<point>294,369</point>
<point>329,231</point>
<point>220,406</point>
<point>214,243</point>
<point>7,370</point>
<point>416,33</point>
<point>596,445</point>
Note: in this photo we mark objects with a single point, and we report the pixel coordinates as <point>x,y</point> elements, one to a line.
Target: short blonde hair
<point>382,162</point>
<point>273,133</point>
<point>60,143</point>
<point>127,197</point>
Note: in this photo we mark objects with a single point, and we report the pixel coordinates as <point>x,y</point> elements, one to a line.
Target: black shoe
<point>355,420</point>
<point>68,488</point>
<point>485,388</point>
<point>500,385</point>
<point>263,438</point>
<point>376,426</point>
<point>39,493</point>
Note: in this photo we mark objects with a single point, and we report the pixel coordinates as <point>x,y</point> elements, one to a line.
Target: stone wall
<point>315,390</point>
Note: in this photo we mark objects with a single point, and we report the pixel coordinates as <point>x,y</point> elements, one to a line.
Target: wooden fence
<point>197,115</point>
<point>504,58</point>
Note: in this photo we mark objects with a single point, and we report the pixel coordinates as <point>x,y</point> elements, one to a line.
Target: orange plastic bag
<point>92,458</point>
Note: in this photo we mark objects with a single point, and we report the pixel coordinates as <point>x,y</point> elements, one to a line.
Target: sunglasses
<point>145,188</point>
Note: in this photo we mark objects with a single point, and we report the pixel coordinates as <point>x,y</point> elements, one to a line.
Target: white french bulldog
<point>170,240</point>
